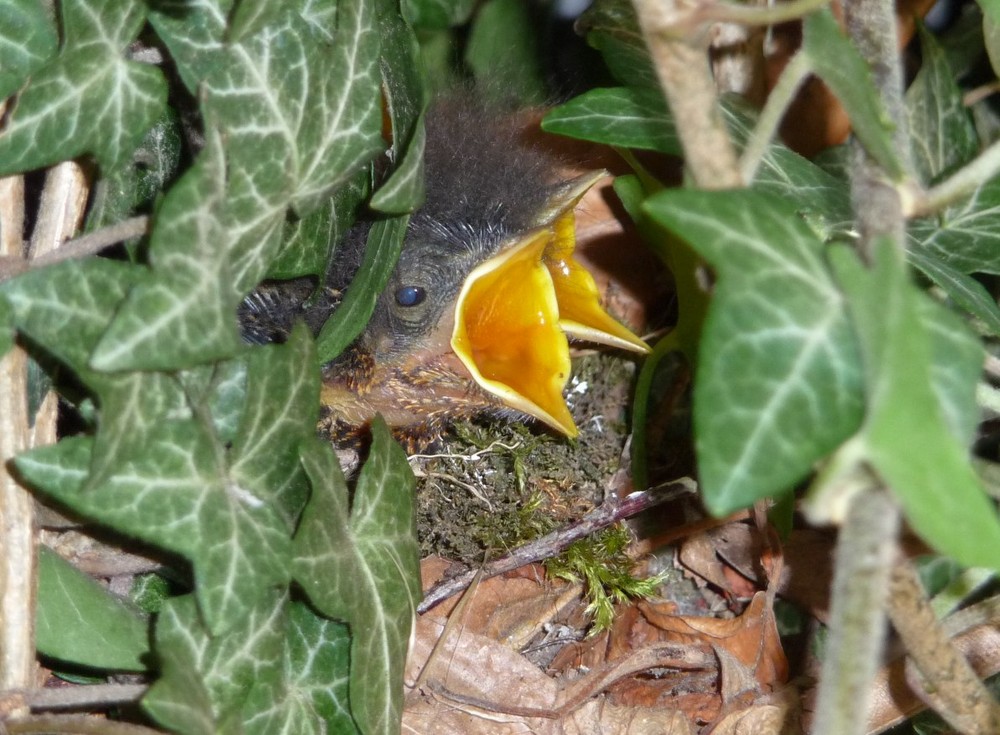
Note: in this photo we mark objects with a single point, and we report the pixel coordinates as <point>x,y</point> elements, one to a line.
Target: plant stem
<point>749,15</point>
<point>794,74</point>
<point>682,65</point>
<point>871,25</point>
<point>957,186</point>
<point>949,683</point>
<point>865,551</point>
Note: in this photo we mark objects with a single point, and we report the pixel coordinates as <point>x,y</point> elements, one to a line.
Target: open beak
<point>515,310</point>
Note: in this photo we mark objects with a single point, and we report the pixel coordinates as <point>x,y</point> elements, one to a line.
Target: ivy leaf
<point>612,28</point>
<point>179,490</point>
<point>67,307</point>
<point>385,240</point>
<point>503,39</point>
<point>942,135</point>
<point>298,103</point>
<point>778,383</point>
<point>208,679</point>
<point>964,290</point>
<point>88,98</point>
<point>27,40</point>
<point>437,14</point>
<point>312,697</point>
<point>308,244</point>
<point>318,655</point>
<point>908,436</point>
<point>820,197</point>
<point>403,190</point>
<point>839,64</point>
<point>362,566</point>
<point>183,315</point>
<point>618,116</point>
<point>966,236</point>
<point>135,187</point>
<point>80,622</point>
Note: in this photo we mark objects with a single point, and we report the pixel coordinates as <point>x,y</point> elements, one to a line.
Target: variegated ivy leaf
<point>281,669</point>
<point>779,377</point>
<point>27,40</point>
<point>361,565</point>
<point>208,678</point>
<point>298,102</point>
<point>67,307</point>
<point>942,134</point>
<point>184,490</point>
<point>404,95</point>
<point>919,415</point>
<point>88,98</point>
<point>184,314</point>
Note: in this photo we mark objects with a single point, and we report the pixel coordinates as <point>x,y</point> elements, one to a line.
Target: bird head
<point>477,315</point>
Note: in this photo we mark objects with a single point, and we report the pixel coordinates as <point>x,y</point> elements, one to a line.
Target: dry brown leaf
<point>761,719</point>
<point>752,637</point>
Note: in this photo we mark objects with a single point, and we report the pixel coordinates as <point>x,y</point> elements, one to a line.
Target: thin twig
<point>949,683</point>
<point>94,242</point>
<point>956,187</point>
<point>682,66</point>
<point>89,697</point>
<point>611,512</point>
<point>73,725</point>
<point>865,550</point>
<point>794,74</point>
<point>81,247</point>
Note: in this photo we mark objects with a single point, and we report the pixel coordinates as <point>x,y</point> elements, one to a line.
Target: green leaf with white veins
<point>779,381</point>
<point>619,116</point>
<point>176,496</point>
<point>67,307</point>
<point>361,565</point>
<point>942,135</point>
<point>183,315</point>
<point>27,40</point>
<point>298,103</point>
<point>908,436</point>
<point>88,98</point>
<point>208,679</point>
<point>312,697</point>
<point>965,236</point>
<point>180,489</point>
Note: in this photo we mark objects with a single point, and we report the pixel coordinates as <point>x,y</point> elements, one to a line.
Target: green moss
<point>601,564</point>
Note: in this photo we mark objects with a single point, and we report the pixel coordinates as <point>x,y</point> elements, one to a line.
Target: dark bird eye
<point>410,295</point>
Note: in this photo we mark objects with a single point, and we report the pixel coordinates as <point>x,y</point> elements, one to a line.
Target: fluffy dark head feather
<point>484,184</point>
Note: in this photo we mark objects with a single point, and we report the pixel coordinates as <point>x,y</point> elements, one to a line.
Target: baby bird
<point>475,317</point>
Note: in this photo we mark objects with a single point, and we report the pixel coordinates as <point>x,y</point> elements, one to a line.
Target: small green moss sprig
<point>601,564</point>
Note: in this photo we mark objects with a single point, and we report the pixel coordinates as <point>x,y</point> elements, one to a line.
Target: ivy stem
<point>956,187</point>
<point>871,25</point>
<point>948,681</point>
<point>794,74</point>
<point>868,536</point>
<point>682,66</point>
<point>864,555</point>
<point>749,15</point>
